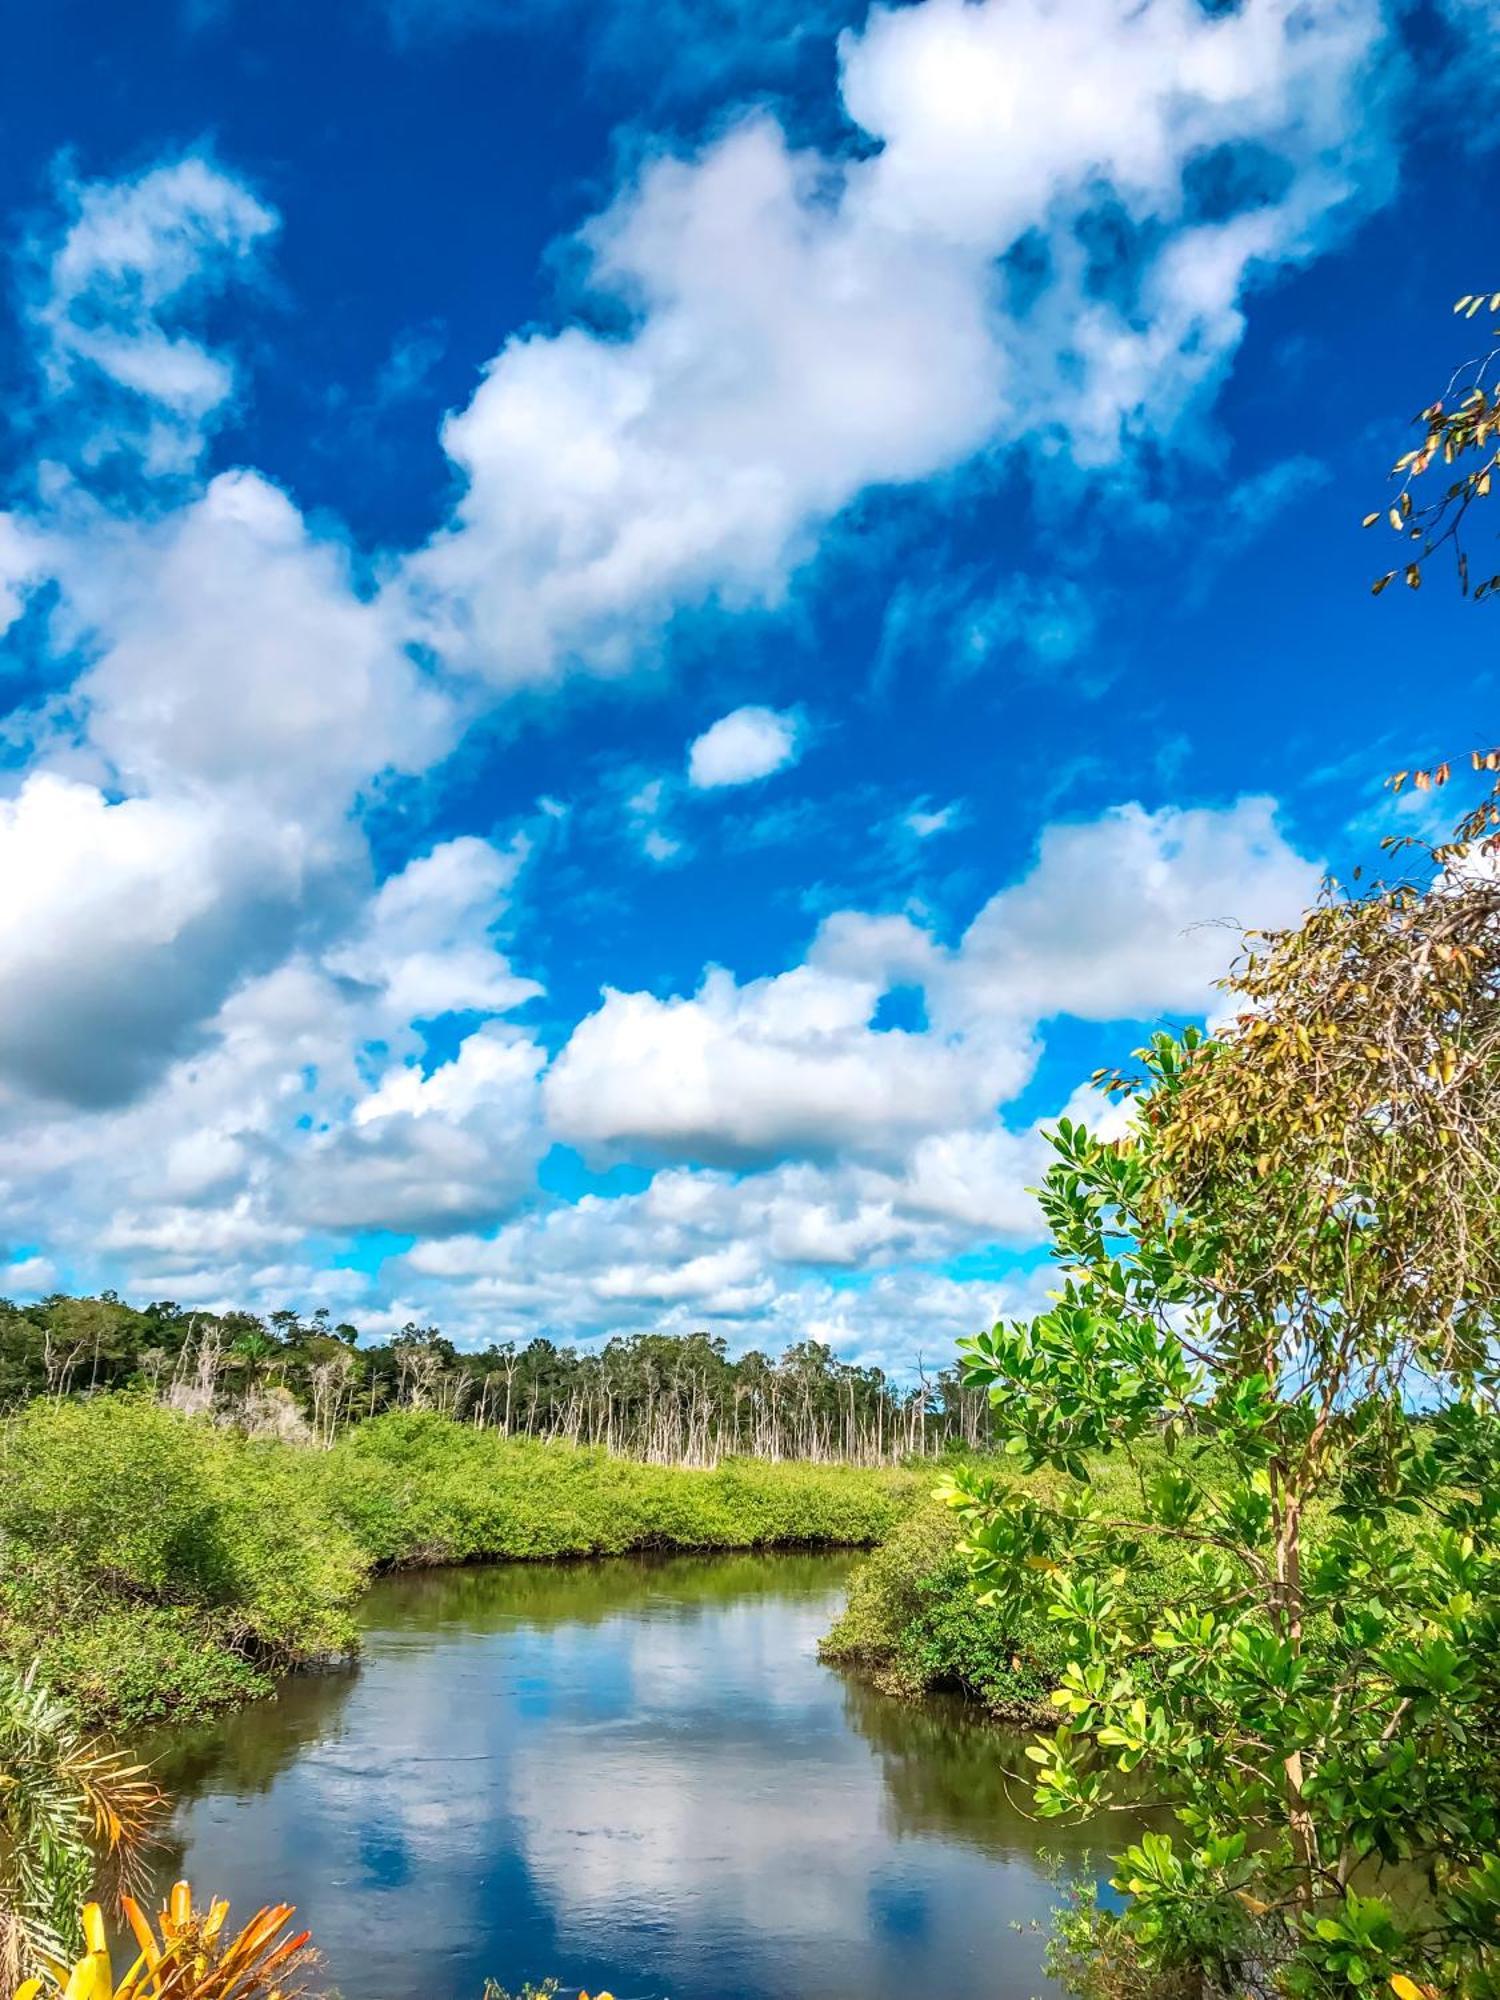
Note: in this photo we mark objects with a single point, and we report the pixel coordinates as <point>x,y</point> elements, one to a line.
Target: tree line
<point>666,1398</point>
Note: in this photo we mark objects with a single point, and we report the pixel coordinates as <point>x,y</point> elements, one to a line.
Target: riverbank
<point>159,1567</point>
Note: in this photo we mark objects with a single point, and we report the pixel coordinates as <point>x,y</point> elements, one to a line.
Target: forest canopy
<point>669,1397</point>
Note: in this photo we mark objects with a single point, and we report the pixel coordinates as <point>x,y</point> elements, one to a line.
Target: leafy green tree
<point>1279,1307</point>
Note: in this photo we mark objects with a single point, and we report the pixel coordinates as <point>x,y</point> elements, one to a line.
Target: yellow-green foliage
<point>159,1565</point>
<point>914,1620</point>
<point>419,1489</point>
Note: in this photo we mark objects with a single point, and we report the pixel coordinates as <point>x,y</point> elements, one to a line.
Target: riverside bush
<point>914,1622</point>
<point>417,1488</point>
<point>160,1567</point>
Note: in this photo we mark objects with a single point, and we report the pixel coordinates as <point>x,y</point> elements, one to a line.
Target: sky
<point>634,635</point>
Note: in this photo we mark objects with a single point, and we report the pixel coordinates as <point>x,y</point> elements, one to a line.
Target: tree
<point>1279,1306</point>
<point>253,1351</point>
<point>1461,435</point>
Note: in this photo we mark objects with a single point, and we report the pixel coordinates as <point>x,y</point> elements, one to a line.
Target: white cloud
<point>186,821</point>
<point>922,821</point>
<point>448,1149</point>
<point>806,327</point>
<point>1133,915</point>
<point>425,940</point>
<point>27,1278</point>
<point>788,1065</point>
<point>122,924</point>
<point>767,1259</point>
<point>852,1160</point>
<point>1130,916</point>
<point>135,254</point>
<point>750,743</point>
<point>646,811</point>
<point>231,649</point>
<point>19,565</point>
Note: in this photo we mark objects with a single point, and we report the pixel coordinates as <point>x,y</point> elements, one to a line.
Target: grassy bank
<point>160,1567</point>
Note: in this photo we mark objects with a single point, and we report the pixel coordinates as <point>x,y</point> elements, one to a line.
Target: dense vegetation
<point>155,1564</point>
<point>67,1807</point>
<point>914,1622</point>
<point>671,1399</point>
<point>1277,1320</point>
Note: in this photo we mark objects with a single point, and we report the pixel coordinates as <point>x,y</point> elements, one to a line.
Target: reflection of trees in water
<point>952,1771</point>
<point>244,1753</point>
<point>487,1597</point>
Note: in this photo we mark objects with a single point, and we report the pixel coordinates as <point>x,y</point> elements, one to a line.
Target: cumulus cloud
<point>750,743</point>
<point>425,941</point>
<point>186,821</point>
<point>811,1169</point>
<point>784,1065</point>
<point>231,649</point>
<point>760,1255</point>
<point>447,1149</point>
<point>122,924</point>
<point>1130,916</point>
<point>27,1278</point>
<point>1133,915</point>
<point>309,1098</point>
<point>806,327</point>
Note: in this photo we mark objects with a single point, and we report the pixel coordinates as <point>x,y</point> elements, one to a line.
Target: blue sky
<point>634,635</point>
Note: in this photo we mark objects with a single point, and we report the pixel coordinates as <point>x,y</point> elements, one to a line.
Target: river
<point>626,1774</point>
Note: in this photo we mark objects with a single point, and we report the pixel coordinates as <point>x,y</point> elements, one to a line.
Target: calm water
<point>624,1774</point>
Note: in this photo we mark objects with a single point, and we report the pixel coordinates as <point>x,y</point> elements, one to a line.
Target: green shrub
<point>160,1566</point>
<point>417,1488</point>
<point>147,1664</point>
<point>914,1621</point>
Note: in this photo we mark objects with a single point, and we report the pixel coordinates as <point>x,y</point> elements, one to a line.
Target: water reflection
<point>628,1774</point>
<point>948,1771</point>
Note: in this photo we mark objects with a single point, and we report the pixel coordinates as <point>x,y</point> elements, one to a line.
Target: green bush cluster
<point>416,1488</point>
<point>914,1622</point>
<point>159,1566</point>
<point>156,1565</point>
